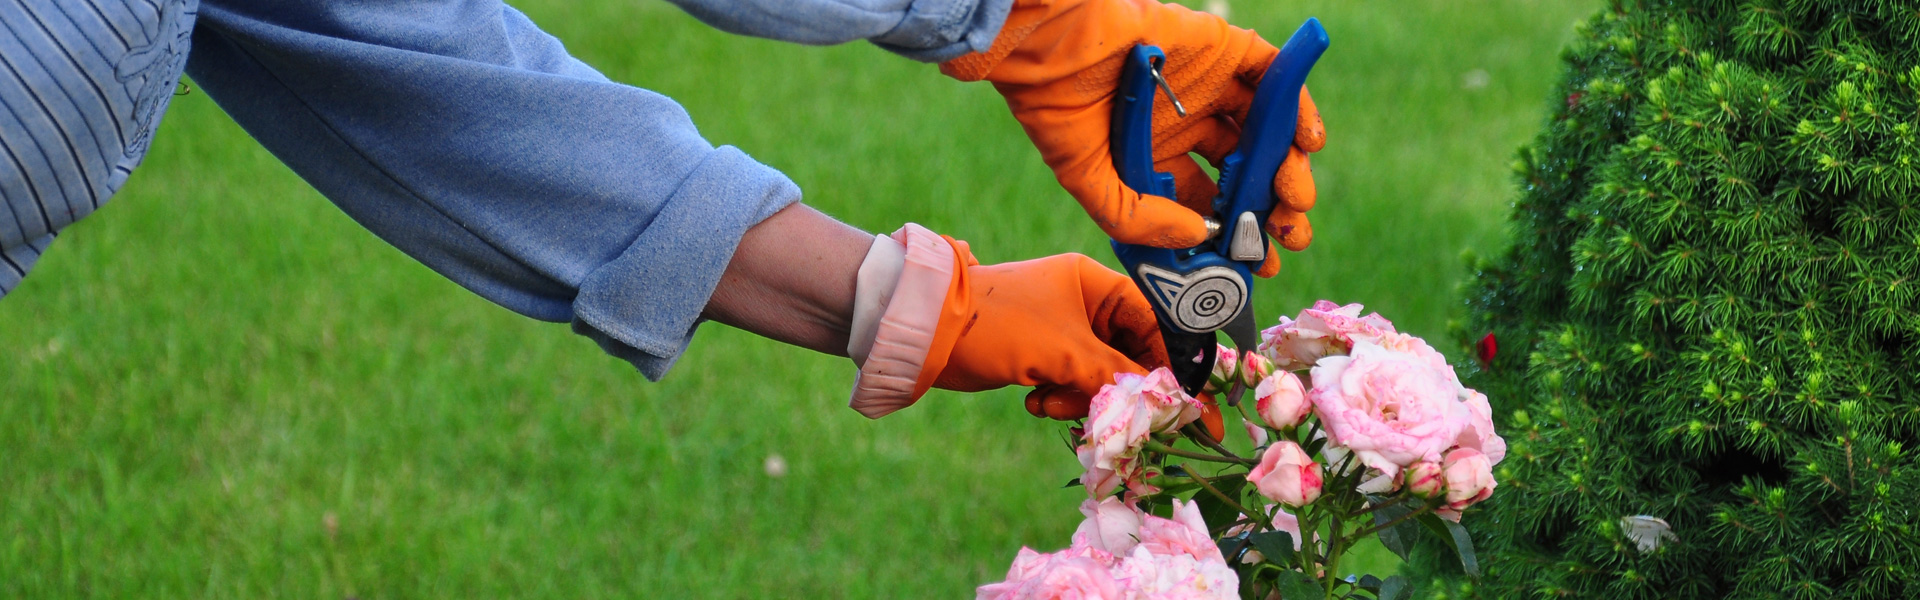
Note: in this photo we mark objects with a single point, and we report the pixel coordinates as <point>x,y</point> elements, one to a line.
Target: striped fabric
<point>82,86</point>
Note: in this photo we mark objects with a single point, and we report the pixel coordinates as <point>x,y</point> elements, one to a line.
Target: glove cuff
<point>909,346</point>
<point>1022,20</point>
<point>873,292</point>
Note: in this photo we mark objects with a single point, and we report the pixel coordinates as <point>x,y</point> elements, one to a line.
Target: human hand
<point>1065,324</point>
<point>1058,64</point>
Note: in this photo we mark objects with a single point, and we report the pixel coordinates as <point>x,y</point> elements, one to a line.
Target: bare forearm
<point>792,279</point>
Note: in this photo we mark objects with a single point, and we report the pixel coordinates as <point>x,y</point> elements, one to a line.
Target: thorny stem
<point>1156,446</point>
<point>1234,504</point>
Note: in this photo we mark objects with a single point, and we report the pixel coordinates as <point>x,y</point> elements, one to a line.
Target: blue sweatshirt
<point>455,130</point>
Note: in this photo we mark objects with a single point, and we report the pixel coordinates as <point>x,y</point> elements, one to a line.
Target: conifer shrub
<point>1709,314</point>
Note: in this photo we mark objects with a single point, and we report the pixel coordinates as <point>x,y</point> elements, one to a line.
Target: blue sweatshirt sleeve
<point>463,135</point>
<point>82,87</point>
<point>924,30</point>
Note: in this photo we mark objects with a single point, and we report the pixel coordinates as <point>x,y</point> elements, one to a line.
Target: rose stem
<point>1199,436</point>
<point>1172,451</point>
<point>1231,503</point>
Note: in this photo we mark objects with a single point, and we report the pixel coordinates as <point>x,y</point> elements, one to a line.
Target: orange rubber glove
<point>1058,63</point>
<point>1063,323</point>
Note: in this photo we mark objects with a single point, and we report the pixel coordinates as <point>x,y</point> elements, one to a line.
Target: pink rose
<point>1185,533</point>
<point>1129,471</point>
<point>1226,363</point>
<point>1390,408</point>
<point>1478,434</point>
<point>1075,573</point>
<point>1254,368</point>
<point>1255,432</point>
<point>1125,412</point>
<point>1148,576</point>
<point>1116,428</point>
<point>1286,475</point>
<point>1325,329</point>
<point>1469,477</point>
<point>1111,525</point>
<point>1169,407</point>
<point>1400,342</point>
<point>1099,482</point>
<point>1425,479</point>
<point>1281,400</point>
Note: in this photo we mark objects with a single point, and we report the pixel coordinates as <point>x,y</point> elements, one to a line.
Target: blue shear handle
<point>1247,174</point>
<point>1162,273</point>
<point>1132,133</point>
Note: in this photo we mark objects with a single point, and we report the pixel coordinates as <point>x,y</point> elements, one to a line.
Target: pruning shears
<point>1208,288</point>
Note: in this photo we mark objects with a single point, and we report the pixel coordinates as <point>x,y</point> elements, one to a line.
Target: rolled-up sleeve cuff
<point>645,305</point>
<point>941,30</point>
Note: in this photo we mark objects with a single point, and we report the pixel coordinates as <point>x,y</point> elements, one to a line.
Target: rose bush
<point>1379,438</point>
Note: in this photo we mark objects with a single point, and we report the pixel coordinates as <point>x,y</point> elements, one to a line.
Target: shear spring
<point>1164,87</point>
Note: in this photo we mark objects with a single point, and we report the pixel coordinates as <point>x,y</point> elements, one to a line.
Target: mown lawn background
<point>220,386</point>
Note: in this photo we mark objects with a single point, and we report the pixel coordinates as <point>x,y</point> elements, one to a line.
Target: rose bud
<point>1281,400</point>
<point>1225,365</point>
<point>1426,479</point>
<point>1469,478</point>
<point>1287,475</point>
<point>1255,368</point>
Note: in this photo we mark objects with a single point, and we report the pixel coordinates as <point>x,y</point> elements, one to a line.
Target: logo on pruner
<point>1198,302</point>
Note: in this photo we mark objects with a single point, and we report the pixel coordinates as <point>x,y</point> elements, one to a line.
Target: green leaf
<point>1399,538</point>
<point>1075,482</point>
<point>1232,547</point>
<point>1366,582</point>
<point>1214,511</point>
<point>1276,545</point>
<point>1313,447</point>
<point>1295,585</point>
<point>1158,505</point>
<point>1395,588</point>
<point>1462,543</point>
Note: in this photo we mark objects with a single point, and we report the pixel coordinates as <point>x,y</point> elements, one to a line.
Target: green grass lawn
<point>220,386</point>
